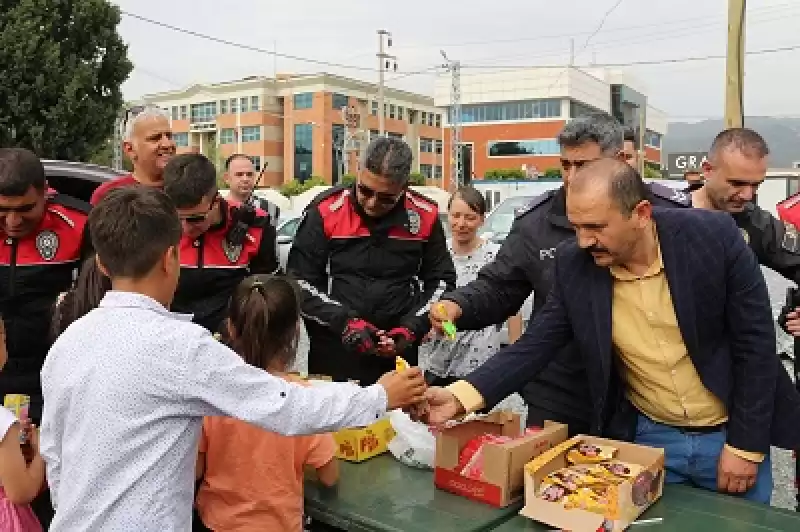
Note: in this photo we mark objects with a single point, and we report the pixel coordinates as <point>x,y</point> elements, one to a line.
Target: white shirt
<point>125,390</point>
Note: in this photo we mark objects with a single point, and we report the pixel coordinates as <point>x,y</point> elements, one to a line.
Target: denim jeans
<point>691,458</point>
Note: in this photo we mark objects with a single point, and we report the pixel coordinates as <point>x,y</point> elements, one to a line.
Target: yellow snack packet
<point>620,470</point>
<point>572,479</point>
<point>589,453</point>
<point>401,364</point>
<point>587,499</point>
<point>551,492</point>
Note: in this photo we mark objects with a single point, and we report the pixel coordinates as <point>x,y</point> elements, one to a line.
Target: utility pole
<point>456,155</point>
<point>116,162</point>
<point>384,60</point>
<point>571,52</point>
<point>734,67</point>
<point>642,136</point>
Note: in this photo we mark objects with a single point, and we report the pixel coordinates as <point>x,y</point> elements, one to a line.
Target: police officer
<point>524,264</point>
<point>240,175</point>
<point>219,247</point>
<point>44,241</point>
<point>371,258</point>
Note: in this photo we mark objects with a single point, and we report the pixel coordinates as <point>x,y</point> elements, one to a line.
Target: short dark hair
<point>263,313</point>
<point>472,197</point>
<point>20,169</point>
<point>626,189</point>
<point>188,178</point>
<point>743,140</point>
<point>235,156</point>
<point>598,127</point>
<point>132,228</point>
<point>390,158</point>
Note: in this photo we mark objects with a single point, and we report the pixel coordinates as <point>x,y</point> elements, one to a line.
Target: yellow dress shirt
<point>662,381</point>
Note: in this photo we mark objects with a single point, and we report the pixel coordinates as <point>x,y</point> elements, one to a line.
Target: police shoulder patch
<point>673,195</point>
<point>791,239</point>
<point>535,202</point>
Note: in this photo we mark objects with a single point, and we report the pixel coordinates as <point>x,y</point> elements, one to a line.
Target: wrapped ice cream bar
<point>18,403</point>
<point>401,364</point>
<point>589,453</point>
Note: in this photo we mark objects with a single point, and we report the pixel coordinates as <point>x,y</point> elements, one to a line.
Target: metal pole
<point>116,162</point>
<point>642,131</point>
<point>734,68</point>
<point>571,52</point>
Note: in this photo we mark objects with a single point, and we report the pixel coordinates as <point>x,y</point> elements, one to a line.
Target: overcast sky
<point>521,32</point>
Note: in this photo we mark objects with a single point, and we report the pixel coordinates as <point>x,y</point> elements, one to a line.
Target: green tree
<point>104,156</point>
<point>416,179</point>
<point>347,179</point>
<point>652,173</point>
<point>553,173</point>
<point>62,65</point>
<point>295,187</point>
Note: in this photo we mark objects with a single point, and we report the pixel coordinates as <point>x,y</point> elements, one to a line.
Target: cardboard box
<point>628,500</point>
<point>503,464</point>
<point>357,445</point>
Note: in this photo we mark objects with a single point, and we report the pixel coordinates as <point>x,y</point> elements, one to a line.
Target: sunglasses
<point>566,164</point>
<point>381,197</point>
<point>199,218</point>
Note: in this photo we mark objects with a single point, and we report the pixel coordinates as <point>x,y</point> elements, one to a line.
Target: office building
<point>510,118</point>
<point>300,126</point>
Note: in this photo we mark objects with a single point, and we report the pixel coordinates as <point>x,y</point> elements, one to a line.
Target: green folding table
<point>382,494</point>
<point>684,509</point>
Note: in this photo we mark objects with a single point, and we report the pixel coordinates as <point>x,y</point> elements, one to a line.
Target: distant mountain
<point>782,135</point>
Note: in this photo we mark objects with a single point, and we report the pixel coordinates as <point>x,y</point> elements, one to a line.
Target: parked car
<point>498,223</point>
<point>78,180</point>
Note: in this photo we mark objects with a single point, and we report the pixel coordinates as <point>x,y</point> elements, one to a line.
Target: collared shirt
<point>662,381</point>
<point>126,388</point>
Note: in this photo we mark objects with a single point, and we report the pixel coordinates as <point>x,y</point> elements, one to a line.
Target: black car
<point>78,180</point>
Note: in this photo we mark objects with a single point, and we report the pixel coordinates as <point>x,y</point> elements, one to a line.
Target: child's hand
<point>31,433</point>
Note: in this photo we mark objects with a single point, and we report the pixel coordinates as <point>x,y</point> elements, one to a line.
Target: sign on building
<point>678,163</point>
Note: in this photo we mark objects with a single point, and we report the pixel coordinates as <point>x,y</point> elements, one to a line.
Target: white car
<point>285,231</point>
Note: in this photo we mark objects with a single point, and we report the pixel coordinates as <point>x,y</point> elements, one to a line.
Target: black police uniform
<point>212,268</point>
<point>384,271</point>
<point>524,264</point>
<point>34,270</point>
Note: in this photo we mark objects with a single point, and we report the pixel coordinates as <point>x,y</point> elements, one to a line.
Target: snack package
<point>448,326</point>
<point>469,451</point>
<point>473,468</point>
<point>572,479</point>
<point>552,492</point>
<point>401,365</point>
<point>621,470</point>
<point>588,499</point>
<point>587,453</point>
<point>19,404</point>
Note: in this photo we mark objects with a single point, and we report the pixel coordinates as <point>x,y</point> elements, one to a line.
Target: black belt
<point>702,430</point>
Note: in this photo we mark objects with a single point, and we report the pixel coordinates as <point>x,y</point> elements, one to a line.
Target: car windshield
<point>499,220</point>
<point>288,227</point>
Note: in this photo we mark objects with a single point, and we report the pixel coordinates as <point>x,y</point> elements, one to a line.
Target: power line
<point>575,34</point>
<point>638,63</point>
<point>245,46</point>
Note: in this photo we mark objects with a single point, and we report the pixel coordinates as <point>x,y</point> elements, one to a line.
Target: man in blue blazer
<point>672,316</point>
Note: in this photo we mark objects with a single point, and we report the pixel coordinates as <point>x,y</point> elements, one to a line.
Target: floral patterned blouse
<point>470,349</point>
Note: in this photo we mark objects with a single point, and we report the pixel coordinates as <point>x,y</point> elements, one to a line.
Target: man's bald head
<point>615,180</point>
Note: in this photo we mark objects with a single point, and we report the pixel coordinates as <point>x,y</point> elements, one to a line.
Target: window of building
<point>426,170</point>
<point>577,109</point>
<point>227,136</point>
<point>339,100</point>
<point>243,104</point>
<point>425,145</point>
<point>373,134</point>
<point>303,150</point>
<point>517,148</point>
<point>251,133</point>
<point>374,111</point>
<point>392,110</point>
<point>256,162</point>
<point>423,119</point>
<point>430,119</point>
<point>499,112</point>
<point>184,112</point>
<point>181,139</point>
<point>223,107</point>
<point>437,172</point>
<point>653,139</point>
<point>398,136</point>
<point>438,146</point>
<point>254,103</point>
<point>304,100</point>
<point>400,112</point>
<point>204,112</point>
<point>175,111</point>
<point>234,105</point>
<point>438,120</point>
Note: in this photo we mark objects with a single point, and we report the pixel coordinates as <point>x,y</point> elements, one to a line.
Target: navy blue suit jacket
<point>723,311</point>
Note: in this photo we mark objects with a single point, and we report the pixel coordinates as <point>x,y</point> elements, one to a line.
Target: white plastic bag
<point>413,445</point>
